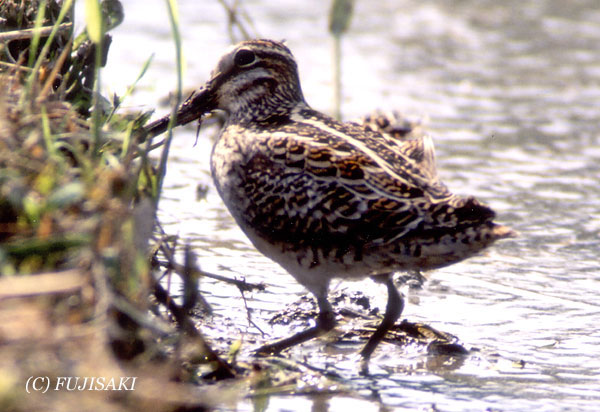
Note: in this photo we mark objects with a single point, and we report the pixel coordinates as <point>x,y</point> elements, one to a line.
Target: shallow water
<point>511,93</point>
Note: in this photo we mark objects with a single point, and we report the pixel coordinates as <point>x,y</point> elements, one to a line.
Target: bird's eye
<point>244,57</point>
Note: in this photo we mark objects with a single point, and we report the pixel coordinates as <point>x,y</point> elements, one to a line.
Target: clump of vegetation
<point>78,197</point>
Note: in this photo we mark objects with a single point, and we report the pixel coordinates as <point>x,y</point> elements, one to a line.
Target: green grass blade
<point>174,20</point>
<point>130,88</point>
<point>36,68</point>
<point>35,40</point>
<point>93,21</point>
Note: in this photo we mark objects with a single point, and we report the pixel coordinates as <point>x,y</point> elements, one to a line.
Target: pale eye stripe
<point>279,54</point>
<point>268,53</point>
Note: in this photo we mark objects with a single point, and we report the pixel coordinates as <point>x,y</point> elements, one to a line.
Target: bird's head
<point>253,81</point>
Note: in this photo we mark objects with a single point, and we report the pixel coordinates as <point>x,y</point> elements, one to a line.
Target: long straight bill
<point>197,104</point>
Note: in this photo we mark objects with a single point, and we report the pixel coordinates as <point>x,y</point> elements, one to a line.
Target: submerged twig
<point>249,314</point>
<point>170,264</point>
<point>243,285</point>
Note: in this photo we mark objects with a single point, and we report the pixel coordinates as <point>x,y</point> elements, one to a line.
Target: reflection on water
<point>511,90</point>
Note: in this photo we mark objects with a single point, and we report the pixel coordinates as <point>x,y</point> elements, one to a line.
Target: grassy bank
<point>80,257</point>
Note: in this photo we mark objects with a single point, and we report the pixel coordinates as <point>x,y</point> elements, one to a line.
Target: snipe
<point>326,199</point>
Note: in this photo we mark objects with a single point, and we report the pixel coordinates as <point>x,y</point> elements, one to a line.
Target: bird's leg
<point>394,307</point>
<point>325,322</point>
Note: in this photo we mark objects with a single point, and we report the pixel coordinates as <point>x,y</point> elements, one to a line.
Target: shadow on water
<point>511,91</point>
